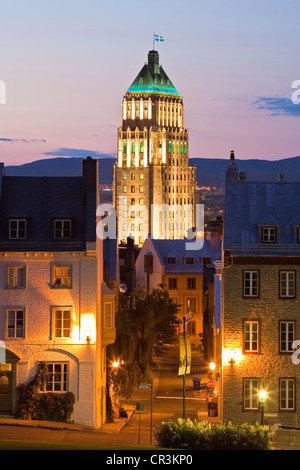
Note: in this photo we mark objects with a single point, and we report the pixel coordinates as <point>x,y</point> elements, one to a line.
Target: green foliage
<point>32,404</point>
<point>143,330</point>
<point>201,435</point>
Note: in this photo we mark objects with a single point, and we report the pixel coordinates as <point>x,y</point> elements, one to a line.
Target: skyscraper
<point>154,187</point>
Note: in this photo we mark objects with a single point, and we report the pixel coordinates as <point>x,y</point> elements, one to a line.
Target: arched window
<point>141,145</point>
<point>132,146</point>
<point>124,146</point>
<point>184,147</point>
<point>170,146</point>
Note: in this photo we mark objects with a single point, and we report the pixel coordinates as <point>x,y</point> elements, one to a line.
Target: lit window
<point>62,323</point>
<point>124,188</point>
<point>62,228</point>
<point>61,276</point>
<point>141,189</point>
<point>251,336</point>
<point>251,394</point>
<point>17,228</point>
<point>15,277</point>
<point>287,283</point>
<point>15,323</point>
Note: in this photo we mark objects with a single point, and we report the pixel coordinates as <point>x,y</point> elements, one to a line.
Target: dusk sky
<point>66,65</point>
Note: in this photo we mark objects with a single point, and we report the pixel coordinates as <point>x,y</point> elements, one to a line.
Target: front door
<point>5,388</point>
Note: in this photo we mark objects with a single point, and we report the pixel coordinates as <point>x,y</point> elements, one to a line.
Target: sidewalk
<point>109,428</point>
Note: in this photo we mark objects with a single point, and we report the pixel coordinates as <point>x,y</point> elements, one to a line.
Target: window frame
<point>251,340</point>
<point>251,295</point>
<point>191,280</point>
<point>252,396</point>
<point>287,322</point>
<point>287,379</point>
<point>7,277</point>
<point>54,319</point>
<point>17,237</point>
<point>15,310</point>
<point>281,271</point>
<point>106,325</point>
<point>172,281</point>
<point>53,276</point>
<point>269,227</point>
<point>63,383</point>
<point>62,229</point>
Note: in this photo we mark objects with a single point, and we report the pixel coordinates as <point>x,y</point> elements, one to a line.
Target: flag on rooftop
<point>158,38</point>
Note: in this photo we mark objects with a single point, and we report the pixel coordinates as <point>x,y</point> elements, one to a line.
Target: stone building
<point>54,306</point>
<point>260,299</point>
<point>152,165</point>
<point>180,270</point>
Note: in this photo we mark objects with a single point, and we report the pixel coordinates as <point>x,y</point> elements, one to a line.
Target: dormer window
<point>17,229</point>
<point>171,260</point>
<point>62,228</point>
<point>189,260</point>
<point>269,234</point>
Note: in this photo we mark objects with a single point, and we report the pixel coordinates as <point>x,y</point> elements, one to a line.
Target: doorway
<point>6,388</point>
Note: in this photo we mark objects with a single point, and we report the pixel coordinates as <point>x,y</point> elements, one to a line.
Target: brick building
<point>260,299</point>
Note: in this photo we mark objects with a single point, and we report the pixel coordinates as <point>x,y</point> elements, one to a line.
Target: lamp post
<point>262,399</point>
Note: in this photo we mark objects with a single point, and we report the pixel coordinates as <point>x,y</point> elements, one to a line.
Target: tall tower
<point>152,168</point>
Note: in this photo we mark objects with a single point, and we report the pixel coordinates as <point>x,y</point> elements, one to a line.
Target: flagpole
<point>153,42</point>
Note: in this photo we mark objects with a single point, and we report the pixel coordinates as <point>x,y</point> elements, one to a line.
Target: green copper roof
<point>153,79</point>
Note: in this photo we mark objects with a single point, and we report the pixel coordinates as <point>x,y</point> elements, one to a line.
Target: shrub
<point>32,404</point>
<point>201,435</point>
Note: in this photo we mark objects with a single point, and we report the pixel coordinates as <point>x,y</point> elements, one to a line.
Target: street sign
<point>144,386</point>
<point>140,406</point>
<point>210,383</point>
<point>188,316</point>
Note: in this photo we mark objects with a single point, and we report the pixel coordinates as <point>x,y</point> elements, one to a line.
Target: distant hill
<point>210,171</point>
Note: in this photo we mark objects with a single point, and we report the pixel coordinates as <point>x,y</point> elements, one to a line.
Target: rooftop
<point>152,79</point>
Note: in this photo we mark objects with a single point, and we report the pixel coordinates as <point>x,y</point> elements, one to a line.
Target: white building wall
<point>38,299</point>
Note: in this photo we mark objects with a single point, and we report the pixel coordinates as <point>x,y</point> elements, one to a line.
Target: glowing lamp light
<point>232,356</point>
<point>212,365</point>
<point>262,396</point>
<point>88,327</point>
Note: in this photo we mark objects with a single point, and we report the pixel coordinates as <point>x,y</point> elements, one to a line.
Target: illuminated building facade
<point>260,299</point>
<point>152,164</point>
<point>54,305</point>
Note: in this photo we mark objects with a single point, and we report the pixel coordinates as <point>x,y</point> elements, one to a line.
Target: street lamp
<point>262,400</point>
<point>212,366</point>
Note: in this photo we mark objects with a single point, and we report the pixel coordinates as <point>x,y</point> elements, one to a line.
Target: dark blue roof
<point>40,200</point>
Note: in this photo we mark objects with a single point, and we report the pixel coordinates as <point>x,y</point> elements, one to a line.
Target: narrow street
<point>167,403</point>
<point>168,395</point>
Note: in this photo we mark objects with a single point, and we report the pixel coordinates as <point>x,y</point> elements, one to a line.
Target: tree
<point>144,329</point>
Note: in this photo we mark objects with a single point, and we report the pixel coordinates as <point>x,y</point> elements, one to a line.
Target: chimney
<point>231,172</point>
<point>90,174</point>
